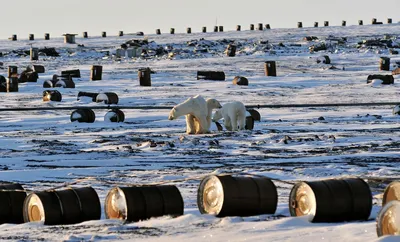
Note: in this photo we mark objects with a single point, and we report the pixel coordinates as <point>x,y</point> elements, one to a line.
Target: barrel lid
<point>35,209</point>
<point>392,192</point>
<point>388,221</point>
<point>210,196</point>
<point>116,207</point>
<point>302,201</point>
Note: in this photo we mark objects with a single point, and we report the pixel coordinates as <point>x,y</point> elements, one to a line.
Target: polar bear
<point>234,114</point>
<point>198,113</point>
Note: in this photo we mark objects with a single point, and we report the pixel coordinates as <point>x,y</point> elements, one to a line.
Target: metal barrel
<point>240,80</point>
<point>83,115</point>
<point>115,115</point>
<point>93,95</point>
<point>391,193</point>
<point>231,50</point>
<point>236,196</point>
<point>331,200</point>
<point>140,203</point>
<point>96,72</point>
<point>221,28</point>
<point>211,75</point>
<point>107,98</point>
<point>270,68</point>
<point>52,95</point>
<point>238,27</point>
<point>251,26</point>
<point>315,24</point>
<point>204,29</point>
<point>65,83</point>
<point>69,206</point>
<point>144,76</point>
<point>72,73</point>
<point>11,203</point>
<point>387,222</point>
<point>384,64</point>
<point>255,114</point>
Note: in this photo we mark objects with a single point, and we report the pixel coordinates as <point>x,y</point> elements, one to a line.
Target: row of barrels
<point>189,30</point>
<point>333,200</point>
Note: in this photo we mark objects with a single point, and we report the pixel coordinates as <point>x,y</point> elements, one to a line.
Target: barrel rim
<point>382,213</point>
<point>107,202</point>
<point>200,194</point>
<point>388,189</point>
<point>292,198</point>
<point>27,208</point>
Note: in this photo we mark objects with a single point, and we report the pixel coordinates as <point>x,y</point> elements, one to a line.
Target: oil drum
<point>65,83</point>
<point>107,98</point>
<point>255,114</point>
<point>52,95</point>
<point>83,115</point>
<point>115,116</point>
<point>11,203</point>
<point>211,75</point>
<point>237,196</point>
<point>392,192</point>
<point>388,220</point>
<point>67,206</point>
<point>333,200</point>
<point>140,203</point>
<point>240,80</point>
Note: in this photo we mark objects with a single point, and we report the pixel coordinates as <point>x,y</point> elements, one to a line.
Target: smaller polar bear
<point>198,113</point>
<point>234,114</point>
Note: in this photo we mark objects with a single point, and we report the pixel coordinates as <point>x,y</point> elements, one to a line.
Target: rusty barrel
<point>96,72</point>
<point>388,220</point>
<point>107,98</point>
<point>83,115</point>
<point>237,196</point>
<point>144,75</point>
<point>333,200</point>
<point>34,54</point>
<point>211,75</point>
<point>69,206</point>
<point>52,95</point>
<point>270,68</point>
<point>115,116</point>
<point>391,193</point>
<point>384,64</point>
<point>133,204</point>
<point>12,198</point>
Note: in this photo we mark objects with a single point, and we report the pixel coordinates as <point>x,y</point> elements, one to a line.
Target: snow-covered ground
<point>43,149</point>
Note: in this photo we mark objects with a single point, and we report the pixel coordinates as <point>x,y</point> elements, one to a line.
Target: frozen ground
<point>43,149</point>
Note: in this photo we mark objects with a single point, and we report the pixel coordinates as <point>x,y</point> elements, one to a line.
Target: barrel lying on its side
<point>12,198</point>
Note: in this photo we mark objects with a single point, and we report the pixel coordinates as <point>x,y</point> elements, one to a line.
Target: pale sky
<point>23,17</point>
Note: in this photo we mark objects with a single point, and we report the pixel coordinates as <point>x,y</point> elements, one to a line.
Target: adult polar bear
<point>234,114</point>
<point>198,113</point>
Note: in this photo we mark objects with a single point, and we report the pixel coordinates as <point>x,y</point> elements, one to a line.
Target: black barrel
<point>374,21</point>
<point>236,196</point>
<point>96,72</point>
<point>12,84</point>
<point>360,22</point>
<point>315,24</point>
<point>133,204</point>
<point>270,68</point>
<point>49,83</point>
<point>12,70</point>
<point>324,59</point>
<point>251,26</point>
<point>299,25</point>
<point>215,28</point>
<point>12,198</point>
<point>386,79</point>
<point>36,68</point>
<point>238,27</point>
<point>144,76</point>
<point>34,53</point>
<point>172,31</point>
<point>189,30</point>
<point>72,73</point>
<point>221,28</point>
<point>255,114</point>
<point>104,34</point>
<point>121,33</point>
<point>46,36</point>
<point>387,222</point>
<point>260,26</point>
<point>65,83</point>
<point>68,206</point>
<point>343,23</point>
<point>326,23</point>
<point>28,76</point>
<point>384,64</point>
<point>389,20</point>
<point>240,80</point>
<point>158,31</point>
<point>31,37</point>
<point>231,50</point>
<point>331,200</point>
<point>249,123</point>
<point>115,116</point>
<point>83,115</point>
<point>52,95</point>
<point>391,193</point>
<point>107,98</point>
<point>85,35</point>
<point>3,84</point>
<point>211,75</point>
<point>204,29</point>
<point>93,95</point>
<point>268,26</point>
<point>14,37</point>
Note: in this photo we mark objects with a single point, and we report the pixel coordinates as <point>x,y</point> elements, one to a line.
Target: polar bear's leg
<point>242,121</point>
<point>202,125</point>
<point>190,124</point>
<point>234,122</point>
<point>227,123</point>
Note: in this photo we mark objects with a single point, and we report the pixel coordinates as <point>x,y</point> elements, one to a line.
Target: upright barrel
<point>12,198</point>
<point>391,193</point>
<point>133,204</point>
<point>388,220</point>
<point>270,68</point>
<point>237,196</point>
<point>96,72</point>
<point>334,200</point>
<point>384,64</point>
<point>144,75</point>
<point>67,206</point>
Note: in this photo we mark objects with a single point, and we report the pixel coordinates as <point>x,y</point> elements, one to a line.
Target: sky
<point>94,16</point>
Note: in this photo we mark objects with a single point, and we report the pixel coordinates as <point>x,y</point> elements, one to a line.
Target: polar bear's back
<point>236,106</point>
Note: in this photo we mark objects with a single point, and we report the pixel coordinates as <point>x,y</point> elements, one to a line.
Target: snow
<point>43,149</point>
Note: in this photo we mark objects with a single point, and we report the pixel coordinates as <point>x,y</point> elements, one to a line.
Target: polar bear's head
<point>172,114</point>
<point>217,115</point>
<point>213,103</point>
